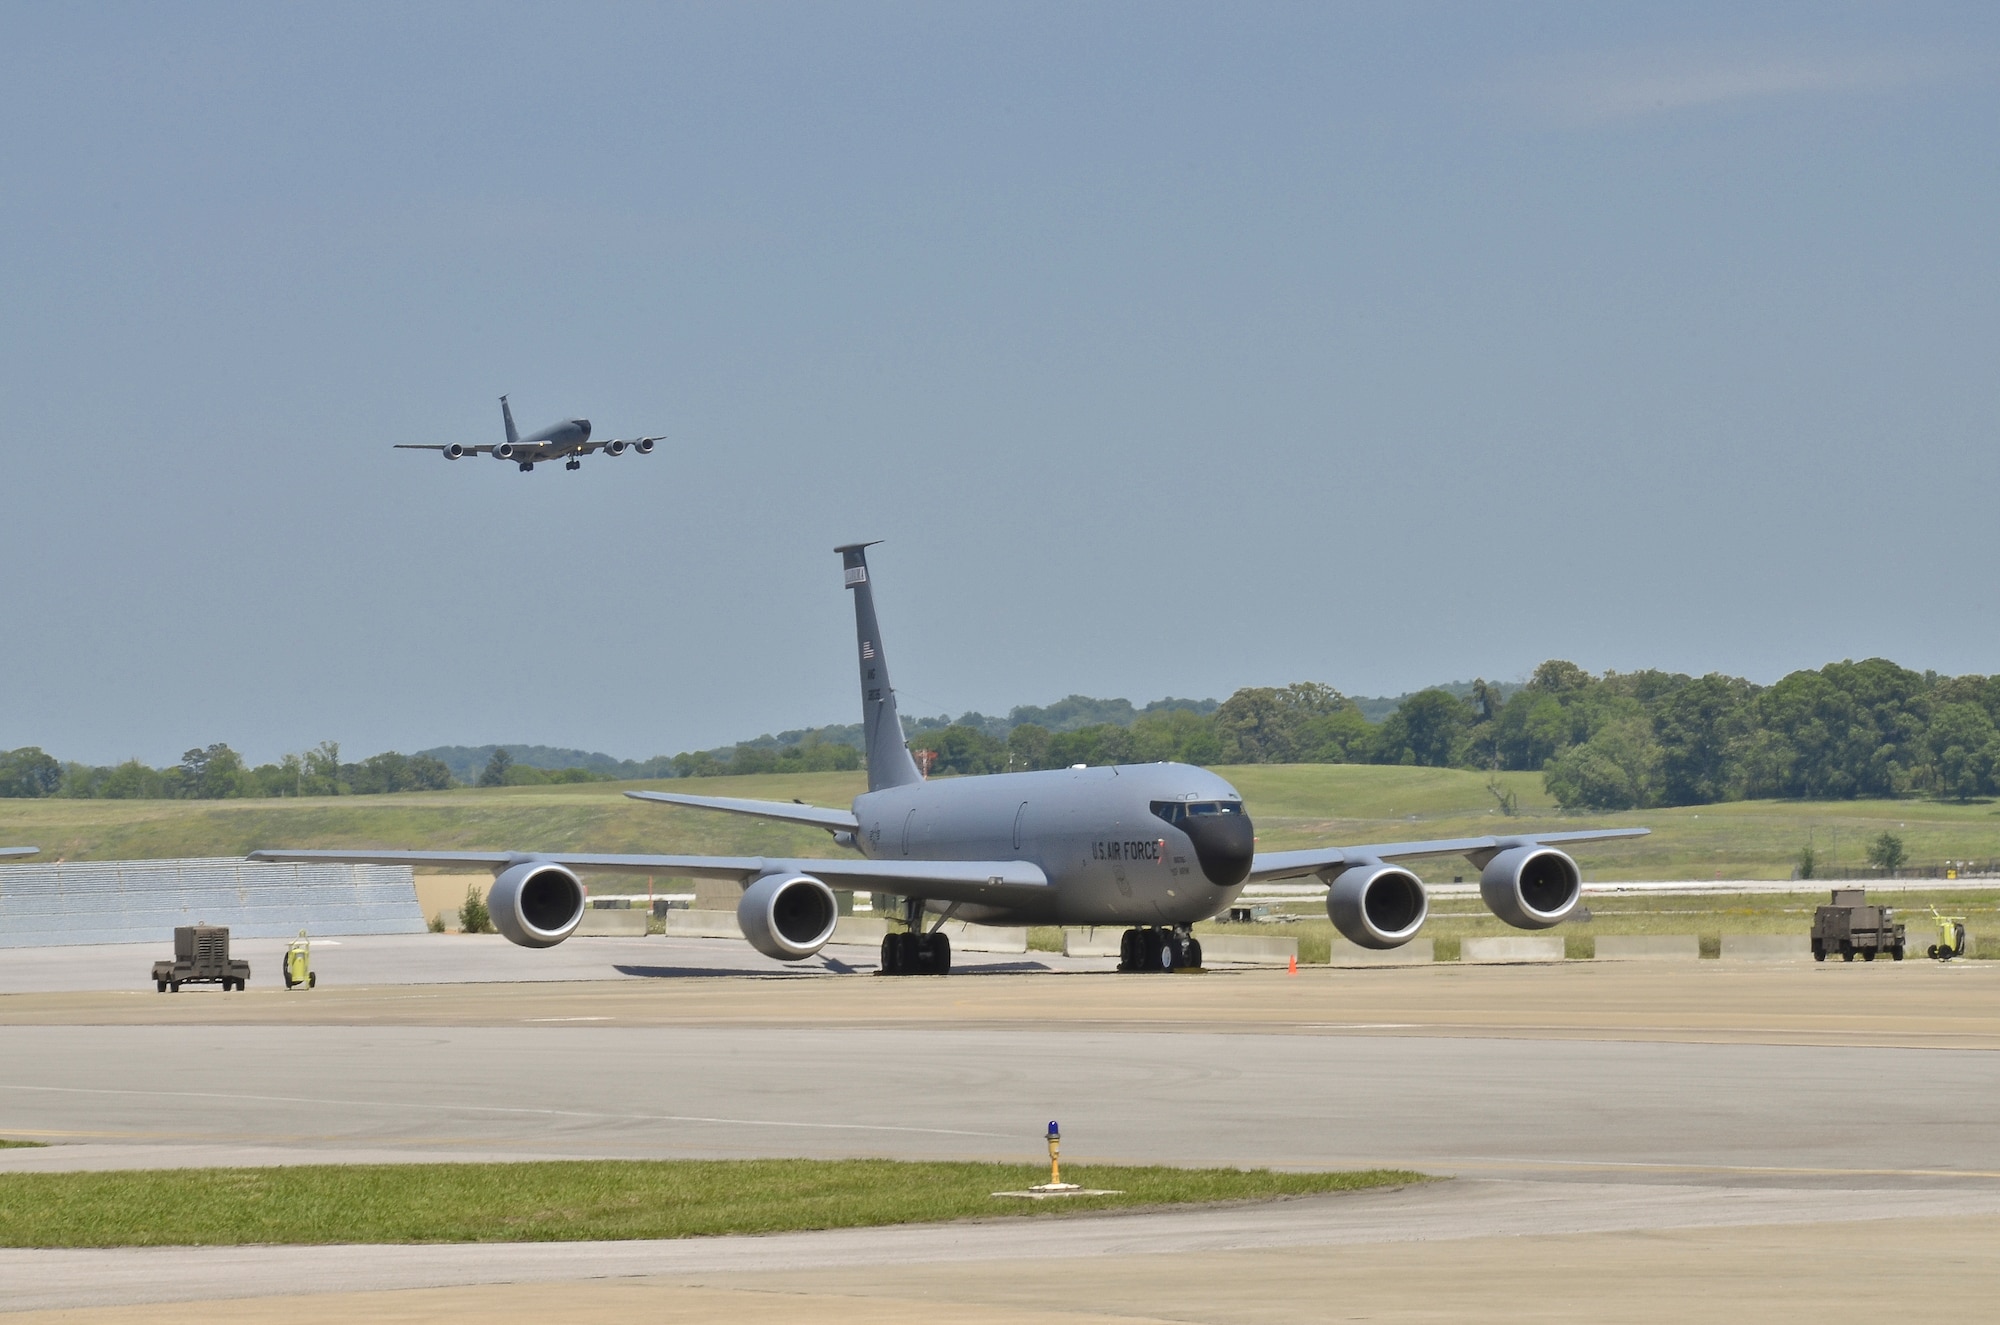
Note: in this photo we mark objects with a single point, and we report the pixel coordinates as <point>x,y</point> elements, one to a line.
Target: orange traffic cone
<point>1292,968</point>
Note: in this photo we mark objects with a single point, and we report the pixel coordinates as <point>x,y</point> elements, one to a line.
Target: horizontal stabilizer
<point>19,851</point>
<point>790,812</point>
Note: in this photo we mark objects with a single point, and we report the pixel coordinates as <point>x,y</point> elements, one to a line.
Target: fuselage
<point>553,442</point>
<point>1134,844</point>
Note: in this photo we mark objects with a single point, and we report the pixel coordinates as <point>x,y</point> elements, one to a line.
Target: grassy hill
<point>1293,805</point>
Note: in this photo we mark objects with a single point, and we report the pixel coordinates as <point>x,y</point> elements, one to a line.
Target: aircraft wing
<point>438,446</point>
<point>993,882</point>
<point>832,820</point>
<point>19,851</point>
<point>1270,865</point>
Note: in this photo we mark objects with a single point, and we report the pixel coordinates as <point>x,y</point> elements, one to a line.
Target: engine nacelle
<point>1377,906</point>
<point>787,916</point>
<point>614,448</point>
<point>536,904</point>
<point>1531,887</point>
<point>504,451</point>
<point>644,446</point>
<point>453,451</point>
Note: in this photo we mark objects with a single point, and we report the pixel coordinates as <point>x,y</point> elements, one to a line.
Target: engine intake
<point>1531,887</point>
<point>1377,906</point>
<point>453,451</point>
<point>536,904</point>
<point>788,917</point>
<point>644,446</point>
<point>614,448</point>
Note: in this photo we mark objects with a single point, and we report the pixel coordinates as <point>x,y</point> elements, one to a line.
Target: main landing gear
<point>1157,949</point>
<point>914,952</point>
<point>574,464</point>
<point>527,466</point>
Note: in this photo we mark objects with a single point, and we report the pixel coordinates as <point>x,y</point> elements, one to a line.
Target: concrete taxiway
<point>1637,1112</point>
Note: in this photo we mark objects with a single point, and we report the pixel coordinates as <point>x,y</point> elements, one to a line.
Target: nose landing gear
<point>1157,949</point>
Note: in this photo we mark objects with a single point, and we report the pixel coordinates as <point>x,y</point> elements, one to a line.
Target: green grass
<point>5,1144</point>
<point>1292,804</point>
<point>579,1200</point>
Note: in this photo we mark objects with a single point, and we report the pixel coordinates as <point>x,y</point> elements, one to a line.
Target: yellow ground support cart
<point>299,973</point>
<point>1951,937</point>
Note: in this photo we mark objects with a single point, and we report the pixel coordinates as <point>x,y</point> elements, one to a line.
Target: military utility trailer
<point>1850,926</point>
<point>201,957</point>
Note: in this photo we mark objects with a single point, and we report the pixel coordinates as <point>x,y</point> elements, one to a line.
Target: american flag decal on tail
<point>867,650</point>
<point>856,575</point>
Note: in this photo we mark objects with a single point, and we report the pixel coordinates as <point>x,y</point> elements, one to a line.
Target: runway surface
<point>1592,1101</point>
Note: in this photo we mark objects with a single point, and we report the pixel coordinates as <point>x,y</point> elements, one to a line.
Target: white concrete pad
<point>1416,952</point>
<point>709,925</point>
<point>1248,949</point>
<point>1095,941</point>
<point>1766,947</point>
<point>1648,947</point>
<point>604,922</point>
<point>964,937</point>
<point>1512,948</point>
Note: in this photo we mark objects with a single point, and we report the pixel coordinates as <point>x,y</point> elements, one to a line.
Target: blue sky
<point>1170,348</point>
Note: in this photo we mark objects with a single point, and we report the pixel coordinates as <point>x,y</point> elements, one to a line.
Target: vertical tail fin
<point>507,417</point>
<point>889,761</point>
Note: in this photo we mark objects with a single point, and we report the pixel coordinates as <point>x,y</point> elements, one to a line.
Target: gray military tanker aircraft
<point>1155,847</point>
<point>565,441</point>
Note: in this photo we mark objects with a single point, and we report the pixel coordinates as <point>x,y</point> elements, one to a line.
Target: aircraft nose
<point>1224,844</point>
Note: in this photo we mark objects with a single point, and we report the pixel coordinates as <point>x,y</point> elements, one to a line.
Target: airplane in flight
<point>566,441</point>
<point>1155,847</point>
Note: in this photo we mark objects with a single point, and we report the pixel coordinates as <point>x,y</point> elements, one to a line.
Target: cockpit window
<point>1178,812</point>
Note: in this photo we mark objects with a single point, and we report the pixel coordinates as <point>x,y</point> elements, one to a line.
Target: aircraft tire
<point>909,961</point>
<point>1128,950</point>
<point>1169,954</point>
<point>1194,953</point>
<point>938,954</point>
<point>892,954</point>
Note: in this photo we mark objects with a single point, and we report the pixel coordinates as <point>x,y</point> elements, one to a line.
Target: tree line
<point>216,772</point>
<point>1616,741</point>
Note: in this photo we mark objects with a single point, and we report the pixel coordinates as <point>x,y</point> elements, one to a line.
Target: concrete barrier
<point>1512,948</point>
<point>609,922</point>
<point>1648,947</point>
<point>1248,950</point>
<point>1766,947</point>
<point>1416,952</point>
<point>702,925</point>
<point>862,930</point>
<point>1094,941</point>
<point>868,931</point>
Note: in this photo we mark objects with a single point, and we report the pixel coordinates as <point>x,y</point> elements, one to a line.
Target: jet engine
<point>504,451</point>
<point>536,904</point>
<point>1531,887</point>
<point>453,451</point>
<point>614,448</point>
<point>644,446</point>
<point>787,916</point>
<point>1377,905</point>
